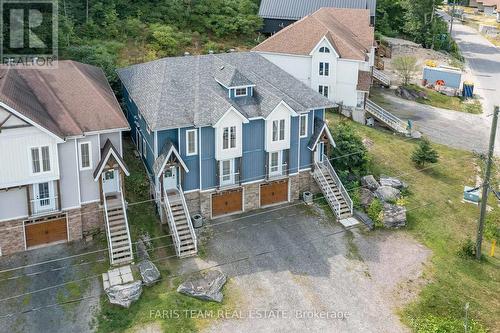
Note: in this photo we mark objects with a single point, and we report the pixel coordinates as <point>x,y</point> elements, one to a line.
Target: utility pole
<point>452,16</point>
<point>432,25</point>
<point>486,183</point>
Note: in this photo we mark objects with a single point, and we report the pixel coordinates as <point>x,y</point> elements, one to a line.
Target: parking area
<point>293,264</point>
<point>58,283</point>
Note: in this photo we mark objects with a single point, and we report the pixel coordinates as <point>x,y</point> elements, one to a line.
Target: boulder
<point>366,197</point>
<point>149,273</point>
<point>124,294</point>
<point>387,193</point>
<point>365,219</point>
<point>207,287</point>
<point>392,182</point>
<point>369,182</point>
<point>142,251</point>
<point>394,216</point>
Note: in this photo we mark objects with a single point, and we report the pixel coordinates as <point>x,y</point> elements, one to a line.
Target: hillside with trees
<point>111,33</point>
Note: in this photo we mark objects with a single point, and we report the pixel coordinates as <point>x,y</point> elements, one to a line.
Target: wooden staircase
<point>119,242</point>
<point>179,222</point>
<point>333,190</point>
<point>386,118</point>
<point>381,77</point>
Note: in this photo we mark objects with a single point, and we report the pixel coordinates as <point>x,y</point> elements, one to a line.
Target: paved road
<point>51,316</point>
<point>483,58</point>
<point>452,128</point>
<point>302,269</point>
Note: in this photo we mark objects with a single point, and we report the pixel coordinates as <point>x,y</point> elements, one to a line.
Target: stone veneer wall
<point>12,239</point>
<point>251,199</point>
<point>81,221</point>
<point>193,202</point>
<point>307,182</point>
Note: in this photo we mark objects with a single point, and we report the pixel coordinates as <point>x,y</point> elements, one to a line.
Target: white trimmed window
<point>227,172</point>
<point>275,164</point>
<point>40,159</point>
<point>229,137</point>
<point>303,125</point>
<point>239,92</point>
<point>85,156</point>
<point>144,148</point>
<point>279,130</point>
<point>324,69</point>
<point>324,49</point>
<point>191,142</point>
<point>323,90</point>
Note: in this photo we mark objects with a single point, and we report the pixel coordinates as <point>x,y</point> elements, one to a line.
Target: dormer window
<point>324,49</point>
<point>240,92</point>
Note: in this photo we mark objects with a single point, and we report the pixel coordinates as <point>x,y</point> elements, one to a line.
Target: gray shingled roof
<point>229,76</point>
<point>297,9</point>
<point>182,91</point>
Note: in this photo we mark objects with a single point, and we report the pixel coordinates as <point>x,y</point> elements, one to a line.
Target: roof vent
<point>186,54</point>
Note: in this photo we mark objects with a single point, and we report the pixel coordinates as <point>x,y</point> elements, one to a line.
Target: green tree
<point>424,154</point>
<point>349,154</point>
<point>389,17</point>
<point>406,67</point>
<point>421,22</point>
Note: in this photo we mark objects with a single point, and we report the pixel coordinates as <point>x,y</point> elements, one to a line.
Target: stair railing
<point>124,209</point>
<point>327,191</point>
<point>188,217</point>
<point>381,76</point>
<point>171,223</point>
<point>110,245</point>
<point>336,179</point>
<point>385,116</point>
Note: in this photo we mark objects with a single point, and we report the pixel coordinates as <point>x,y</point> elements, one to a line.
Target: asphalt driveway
<point>47,310</point>
<point>296,270</point>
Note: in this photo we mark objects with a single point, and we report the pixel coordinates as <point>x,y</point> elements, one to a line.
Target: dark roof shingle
<point>297,9</point>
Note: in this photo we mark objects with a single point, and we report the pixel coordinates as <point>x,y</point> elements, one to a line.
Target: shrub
<point>424,153</point>
<point>349,154</point>
<point>467,249</point>
<point>406,67</point>
<point>435,324</point>
<point>375,212</point>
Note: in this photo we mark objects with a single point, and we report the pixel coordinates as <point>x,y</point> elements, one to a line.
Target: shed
<point>451,76</point>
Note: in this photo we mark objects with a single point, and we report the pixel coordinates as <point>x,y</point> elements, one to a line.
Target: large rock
<point>366,197</point>
<point>149,273</point>
<point>208,287</point>
<point>394,216</point>
<point>392,182</point>
<point>124,294</point>
<point>387,193</point>
<point>369,182</point>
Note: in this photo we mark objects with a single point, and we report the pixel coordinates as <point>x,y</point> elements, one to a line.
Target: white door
<point>44,197</point>
<point>170,177</point>
<point>320,150</point>
<point>111,181</point>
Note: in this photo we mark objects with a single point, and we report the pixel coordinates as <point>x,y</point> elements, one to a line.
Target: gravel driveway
<point>452,128</point>
<point>59,317</point>
<point>296,266</point>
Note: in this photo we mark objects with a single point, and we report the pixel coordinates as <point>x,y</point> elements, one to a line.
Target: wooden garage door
<point>274,192</point>
<point>39,233</point>
<point>227,202</point>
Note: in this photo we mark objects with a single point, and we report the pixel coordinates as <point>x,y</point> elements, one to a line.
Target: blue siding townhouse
<point>222,134</point>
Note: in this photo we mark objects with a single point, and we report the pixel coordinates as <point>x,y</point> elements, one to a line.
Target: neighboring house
<point>60,147</point>
<point>489,7</point>
<point>278,14</point>
<point>221,134</point>
<point>331,50</point>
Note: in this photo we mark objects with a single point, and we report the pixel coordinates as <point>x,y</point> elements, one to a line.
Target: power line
<point>248,257</point>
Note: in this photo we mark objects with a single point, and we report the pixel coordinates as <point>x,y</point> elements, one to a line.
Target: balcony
<point>229,180</point>
<point>44,206</point>
<point>278,171</point>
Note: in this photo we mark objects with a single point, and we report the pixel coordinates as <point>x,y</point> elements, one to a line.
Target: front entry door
<point>111,181</point>
<point>170,177</point>
<point>44,197</point>
<point>320,150</point>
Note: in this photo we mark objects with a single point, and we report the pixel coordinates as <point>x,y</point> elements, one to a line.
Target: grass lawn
<point>438,219</point>
<point>439,100</point>
<point>159,303</point>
